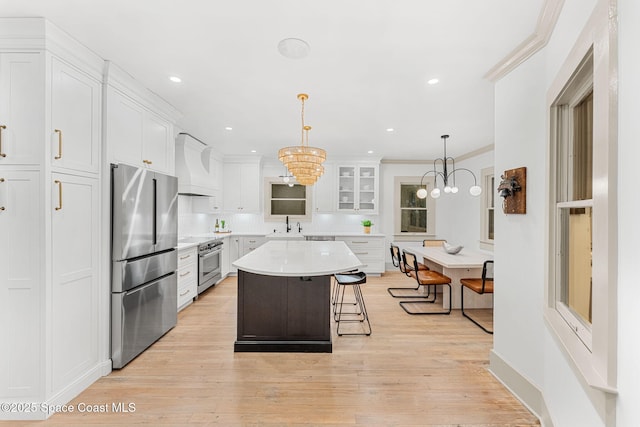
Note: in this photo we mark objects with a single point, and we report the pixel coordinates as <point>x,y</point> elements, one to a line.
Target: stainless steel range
<point>209,261</point>
<point>209,264</point>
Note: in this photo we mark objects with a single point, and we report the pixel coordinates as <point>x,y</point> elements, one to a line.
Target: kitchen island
<point>284,292</point>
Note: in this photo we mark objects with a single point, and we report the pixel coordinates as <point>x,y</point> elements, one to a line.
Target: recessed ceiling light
<point>228,128</point>
<point>432,81</point>
<point>390,129</point>
<point>175,79</point>
<point>253,151</point>
<point>370,152</point>
<point>293,48</point>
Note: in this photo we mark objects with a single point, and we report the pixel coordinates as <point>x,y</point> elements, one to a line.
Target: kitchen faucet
<point>288,226</point>
<point>299,227</point>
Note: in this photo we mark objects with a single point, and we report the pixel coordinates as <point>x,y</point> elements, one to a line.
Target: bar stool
<point>353,280</point>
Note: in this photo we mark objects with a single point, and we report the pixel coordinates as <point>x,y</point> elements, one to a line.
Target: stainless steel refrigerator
<point>144,234</point>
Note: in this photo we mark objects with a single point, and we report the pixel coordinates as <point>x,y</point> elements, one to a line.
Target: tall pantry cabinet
<point>52,327</point>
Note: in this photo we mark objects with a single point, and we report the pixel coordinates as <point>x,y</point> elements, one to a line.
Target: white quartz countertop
<point>184,245</point>
<point>299,258</point>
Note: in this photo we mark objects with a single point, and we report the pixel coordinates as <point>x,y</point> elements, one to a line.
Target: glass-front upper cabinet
<point>358,188</point>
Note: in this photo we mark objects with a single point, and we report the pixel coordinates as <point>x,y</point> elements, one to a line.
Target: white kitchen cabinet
<point>226,255</point>
<point>239,246</point>
<point>242,186</point>
<point>325,191</point>
<point>370,250</point>
<point>22,92</point>
<point>358,188</point>
<point>139,124</point>
<point>74,271</point>
<point>206,204</point>
<point>251,243</point>
<point>234,252</point>
<point>138,136</point>
<point>158,145</point>
<point>52,324</point>
<point>75,119</point>
<point>21,282</point>
<point>187,276</point>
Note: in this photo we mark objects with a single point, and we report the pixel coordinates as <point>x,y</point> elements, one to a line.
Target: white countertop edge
<point>182,246</point>
<point>300,273</point>
<point>208,236</point>
<point>293,258</point>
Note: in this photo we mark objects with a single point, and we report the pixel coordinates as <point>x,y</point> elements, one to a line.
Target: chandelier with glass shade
<point>302,161</point>
<point>447,176</point>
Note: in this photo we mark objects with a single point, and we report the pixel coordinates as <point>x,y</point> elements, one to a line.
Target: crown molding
<point>546,23</point>
<point>469,155</point>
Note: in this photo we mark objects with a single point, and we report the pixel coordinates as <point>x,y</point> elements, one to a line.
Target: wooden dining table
<point>464,264</point>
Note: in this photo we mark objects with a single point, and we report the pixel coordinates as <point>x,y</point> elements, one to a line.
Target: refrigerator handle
<point>155,211</point>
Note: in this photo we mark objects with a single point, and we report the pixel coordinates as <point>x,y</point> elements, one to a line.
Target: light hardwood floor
<point>412,371</point>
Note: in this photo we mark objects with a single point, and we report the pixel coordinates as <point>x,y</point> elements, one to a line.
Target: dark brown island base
<point>283,314</point>
<point>284,293</point>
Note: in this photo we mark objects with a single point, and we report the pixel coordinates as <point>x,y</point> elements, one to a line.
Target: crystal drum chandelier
<point>304,162</point>
<point>447,176</point>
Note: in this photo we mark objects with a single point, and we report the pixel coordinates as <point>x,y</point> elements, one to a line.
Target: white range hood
<point>194,167</point>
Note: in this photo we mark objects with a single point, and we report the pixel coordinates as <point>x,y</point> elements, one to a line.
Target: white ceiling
<point>366,71</point>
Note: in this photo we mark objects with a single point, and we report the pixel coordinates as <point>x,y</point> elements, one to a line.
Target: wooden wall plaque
<point>516,203</point>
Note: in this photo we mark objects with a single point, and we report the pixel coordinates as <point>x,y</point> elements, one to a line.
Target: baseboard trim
<point>520,386</point>
<point>70,392</point>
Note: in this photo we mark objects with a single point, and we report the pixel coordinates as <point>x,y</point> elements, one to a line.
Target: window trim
<point>598,366</point>
<point>485,175</point>
<point>267,201</point>
<point>431,207</point>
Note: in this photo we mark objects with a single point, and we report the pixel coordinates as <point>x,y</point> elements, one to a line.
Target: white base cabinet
<point>187,276</point>
<point>21,279</point>
<point>370,250</point>
<point>239,246</point>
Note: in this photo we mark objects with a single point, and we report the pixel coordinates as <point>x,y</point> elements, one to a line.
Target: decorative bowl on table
<point>451,249</point>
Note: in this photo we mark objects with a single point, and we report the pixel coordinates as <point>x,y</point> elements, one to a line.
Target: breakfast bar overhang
<point>284,293</point>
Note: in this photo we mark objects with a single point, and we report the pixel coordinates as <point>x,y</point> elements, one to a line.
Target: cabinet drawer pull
<point>1,153</point>
<point>185,292</point>
<point>59,132</point>
<point>359,242</point>
<point>185,257</point>
<point>1,181</point>
<point>186,274</point>
<point>147,162</point>
<point>59,183</point>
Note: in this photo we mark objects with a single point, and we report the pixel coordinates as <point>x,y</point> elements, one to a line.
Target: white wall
<point>521,337</point>
<point>629,205</point>
<point>460,227</point>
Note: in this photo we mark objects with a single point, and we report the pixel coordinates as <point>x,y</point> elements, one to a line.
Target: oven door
<point>209,269</point>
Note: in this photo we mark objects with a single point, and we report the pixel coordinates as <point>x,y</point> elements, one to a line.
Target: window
<point>413,210</point>
<point>412,214</point>
<point>286,200</point>
<point>487,229</point>
<point>574,206</point>
<point>581,287</point>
